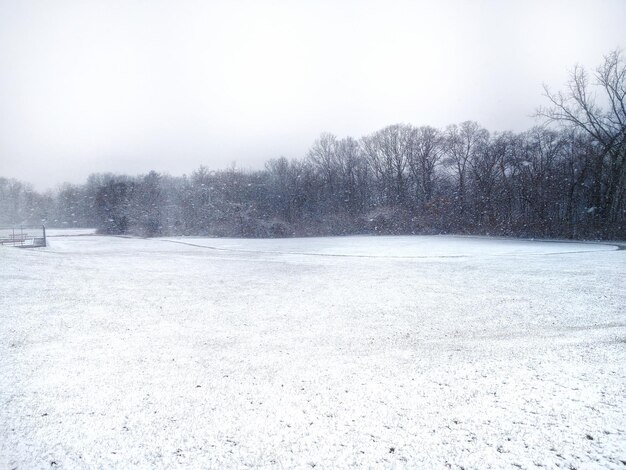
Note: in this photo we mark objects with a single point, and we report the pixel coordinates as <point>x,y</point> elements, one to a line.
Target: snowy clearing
<point>405,352</point>
<point>67,232</point>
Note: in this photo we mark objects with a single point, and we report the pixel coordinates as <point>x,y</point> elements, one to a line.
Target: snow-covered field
<point>412,352</point>
<point>68,232</point>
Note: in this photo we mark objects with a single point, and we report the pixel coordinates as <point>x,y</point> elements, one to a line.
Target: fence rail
<point>23,237</point>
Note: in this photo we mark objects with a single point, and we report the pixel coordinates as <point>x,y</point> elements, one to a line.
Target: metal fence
<point>23,237</point>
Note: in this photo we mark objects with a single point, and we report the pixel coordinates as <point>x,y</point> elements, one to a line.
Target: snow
<point>67,232</point>
<point>405,352</point>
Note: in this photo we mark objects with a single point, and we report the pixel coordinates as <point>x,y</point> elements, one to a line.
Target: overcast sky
<point>128,86</point>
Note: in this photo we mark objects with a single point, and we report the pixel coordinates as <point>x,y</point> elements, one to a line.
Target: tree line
<point>565,178</point>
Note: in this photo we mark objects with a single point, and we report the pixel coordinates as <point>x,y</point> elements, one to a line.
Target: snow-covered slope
<point>413,352</point>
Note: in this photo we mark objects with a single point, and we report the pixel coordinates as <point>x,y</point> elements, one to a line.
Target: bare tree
<point>387,152</point>
<point>597,107</point>
<point>353,174</point>
<point>323,157</point>
<point>428,148</point>
<point>462,144</point>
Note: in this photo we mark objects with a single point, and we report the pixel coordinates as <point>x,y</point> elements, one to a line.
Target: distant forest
<point>564,178</point>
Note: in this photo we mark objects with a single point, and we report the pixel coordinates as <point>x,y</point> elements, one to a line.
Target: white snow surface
<point>385,352</point>
<point>67,232</point>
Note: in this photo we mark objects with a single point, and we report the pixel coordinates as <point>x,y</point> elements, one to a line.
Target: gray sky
<point>129,86</point>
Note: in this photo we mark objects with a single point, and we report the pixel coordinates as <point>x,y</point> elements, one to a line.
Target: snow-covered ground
<point>67,232</point>
<point>412,352</point>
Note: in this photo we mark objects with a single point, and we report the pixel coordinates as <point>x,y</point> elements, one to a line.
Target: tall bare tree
<point>323,157</point>
<point>428,148</point>
<point>596,105</point>
<point>463,142</point>
<point>388,153</point>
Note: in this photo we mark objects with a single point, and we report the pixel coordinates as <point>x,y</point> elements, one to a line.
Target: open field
<point>412,352</point>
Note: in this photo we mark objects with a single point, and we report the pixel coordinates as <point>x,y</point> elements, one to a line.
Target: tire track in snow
<point>334,255</point>
<point>399,257</point>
